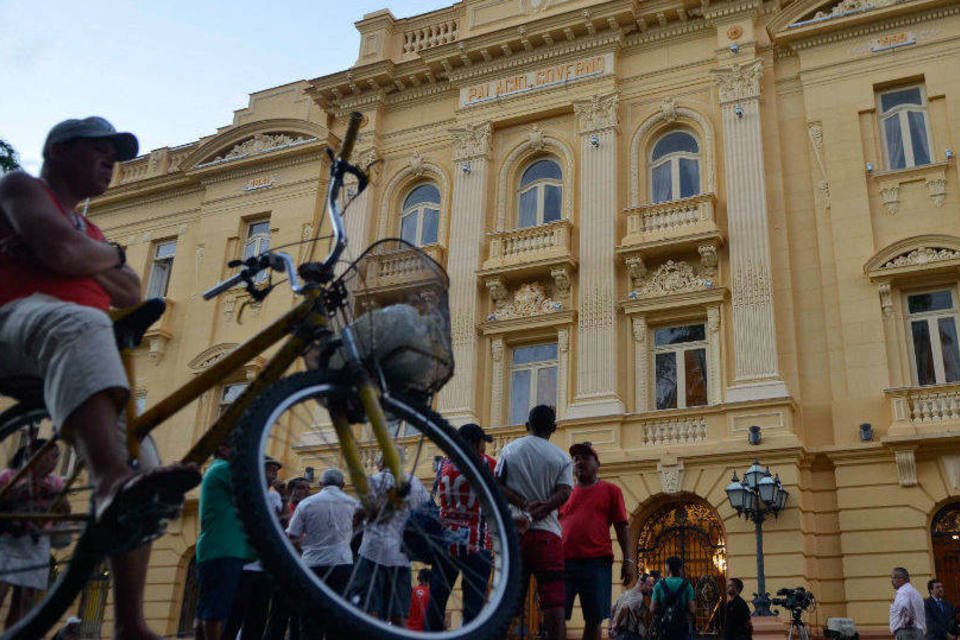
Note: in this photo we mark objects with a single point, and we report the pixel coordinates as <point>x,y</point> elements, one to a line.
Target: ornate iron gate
<point>692,531</point>
<point>945,532</point>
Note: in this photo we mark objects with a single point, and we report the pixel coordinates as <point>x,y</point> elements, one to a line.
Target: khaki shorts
<point>70,346</point>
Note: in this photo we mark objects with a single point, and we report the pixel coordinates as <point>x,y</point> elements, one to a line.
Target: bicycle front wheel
<point>367,589</point>
<point>43,563</point>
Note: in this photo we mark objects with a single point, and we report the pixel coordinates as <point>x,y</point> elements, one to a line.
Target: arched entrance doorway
<point>690,528</point>
<point>945,532</point>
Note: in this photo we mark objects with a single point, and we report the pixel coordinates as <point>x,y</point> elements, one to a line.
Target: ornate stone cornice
<point>552,54</point>
<point>209,356</point>
<point>598,113</point>
<point>740,81</point>
<point>258,144</point>
<point>670,277</point>
<point>912,255</point>
<point>472,141</point>
<point>856,29</point>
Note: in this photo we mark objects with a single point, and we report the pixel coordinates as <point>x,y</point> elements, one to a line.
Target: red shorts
<point>542,554</point>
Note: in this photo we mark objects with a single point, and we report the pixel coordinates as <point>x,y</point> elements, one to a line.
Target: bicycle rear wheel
<point>55,557</point>
<point>290,421</point>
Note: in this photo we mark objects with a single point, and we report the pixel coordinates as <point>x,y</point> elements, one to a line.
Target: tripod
<point>798,630</point>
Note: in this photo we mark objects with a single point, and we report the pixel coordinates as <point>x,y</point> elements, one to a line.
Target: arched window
<point>420,218</point>
<point>675,167</point>
<point>540,197</point>
<point>945,531</point>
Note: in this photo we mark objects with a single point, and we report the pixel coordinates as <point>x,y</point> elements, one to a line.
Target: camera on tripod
<point>796,600</point>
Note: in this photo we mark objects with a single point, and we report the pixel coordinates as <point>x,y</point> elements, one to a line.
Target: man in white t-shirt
<point>323,525</point>
<point>536,478</point>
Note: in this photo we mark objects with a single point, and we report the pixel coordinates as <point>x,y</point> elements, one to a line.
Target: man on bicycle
<point>58,277</point>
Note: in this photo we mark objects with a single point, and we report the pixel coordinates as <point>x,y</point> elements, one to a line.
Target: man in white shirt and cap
<point>907,618</point>
<point>323,525</point>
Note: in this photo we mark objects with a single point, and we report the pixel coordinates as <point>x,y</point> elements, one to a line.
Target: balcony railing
<point>431,35</point>
<point>668,222</point>
<point>403,267</point>
<point>939,404</point>
<point>674,430</point>
<point>529,245</point>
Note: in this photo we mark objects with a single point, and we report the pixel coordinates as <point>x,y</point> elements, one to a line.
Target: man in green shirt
<point>222,548</point>
<point>673,604</point>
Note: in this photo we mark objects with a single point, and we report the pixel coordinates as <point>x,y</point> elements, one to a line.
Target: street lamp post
<point>758,496</point>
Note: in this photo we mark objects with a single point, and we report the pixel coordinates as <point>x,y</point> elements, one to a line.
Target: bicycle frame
<point>301,324</point>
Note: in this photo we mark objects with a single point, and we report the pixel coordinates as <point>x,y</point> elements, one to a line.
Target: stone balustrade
<point>430,35</point>
<point>529,245</point>
<point>674,430</point>
<point>667,222</point>
<point>934,405</point>
<point>401,267</point>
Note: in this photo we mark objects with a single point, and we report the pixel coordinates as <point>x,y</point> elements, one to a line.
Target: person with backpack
<point>673,603</point>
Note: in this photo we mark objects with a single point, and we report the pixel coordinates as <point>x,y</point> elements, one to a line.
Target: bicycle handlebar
<point>276,260</point>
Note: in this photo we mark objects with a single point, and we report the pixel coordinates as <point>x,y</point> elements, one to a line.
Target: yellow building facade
<point>673,220</point>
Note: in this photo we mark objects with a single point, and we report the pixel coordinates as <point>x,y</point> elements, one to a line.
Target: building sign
<point>544,78</point>
<point>260,182</point>
<point>892,41</point>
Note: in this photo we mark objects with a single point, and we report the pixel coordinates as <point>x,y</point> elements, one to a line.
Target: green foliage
<point>8,158</point>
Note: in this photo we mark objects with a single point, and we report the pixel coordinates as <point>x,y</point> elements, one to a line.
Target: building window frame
<point>536,371</point>
<point>898,115</point>
<point>537,191</point>
<point>419,210</point>
<point>665,345</point>
<point>943,364</point>
<point>161,267</point>
<point>672,161</point>
<point>231,389</point>
<point>257,233</point>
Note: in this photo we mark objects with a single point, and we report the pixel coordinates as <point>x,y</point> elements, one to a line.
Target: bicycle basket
<point>401,316</point>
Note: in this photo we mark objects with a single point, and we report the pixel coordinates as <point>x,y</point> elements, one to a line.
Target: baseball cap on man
<point>471,432</point>
<point>584,449</point>
<point>93,127</point>
<point>73,620</point>
<point>268,460</point>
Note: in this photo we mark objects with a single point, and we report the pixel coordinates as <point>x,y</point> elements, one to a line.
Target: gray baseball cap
<point>93,127</point>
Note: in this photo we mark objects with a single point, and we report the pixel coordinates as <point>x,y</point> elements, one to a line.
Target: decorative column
<point>360,211</point>
<point>756,367</point>
<point>596,389</point>
<point>471,148</point>
<point>496,382</point>
<point>641,367</point>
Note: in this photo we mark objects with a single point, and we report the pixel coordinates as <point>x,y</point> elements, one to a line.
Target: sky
<point>171,71</point>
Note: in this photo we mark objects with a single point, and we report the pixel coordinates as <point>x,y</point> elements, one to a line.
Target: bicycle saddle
<point>129,325</point>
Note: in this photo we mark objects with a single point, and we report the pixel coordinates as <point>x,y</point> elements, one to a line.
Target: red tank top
<point>20,276</point>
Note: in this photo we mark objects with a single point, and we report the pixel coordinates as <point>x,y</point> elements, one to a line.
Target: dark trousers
<point>250,606</point>
<point>282,615</point>
<point>337,578</point>
<point>475,568</point>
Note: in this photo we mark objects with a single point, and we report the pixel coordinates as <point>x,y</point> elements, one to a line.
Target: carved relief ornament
<point>670,277</point>
<point>260,143</point>
<point>921,256</point>
<point>844,7</point>
<point>740,82</point>
<point>598,113</point>
<point>472,141</point>
<point>528,300</point>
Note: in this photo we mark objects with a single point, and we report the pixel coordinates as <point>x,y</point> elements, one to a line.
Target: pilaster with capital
<point>642,364</point>
<point>471,144</point>
<point>756,366</point>
<point>496,382</point>
<point>714,363</point>
<point>596,388</point>
<point>361,208</point>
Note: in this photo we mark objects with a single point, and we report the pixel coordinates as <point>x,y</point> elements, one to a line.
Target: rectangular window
<point>905,127</point>
<point>932,320</point>
<point>258,241</point>
<point>230,393</point>
<point>680,366</point>
<point>533,379</point>
<point>163,254</point>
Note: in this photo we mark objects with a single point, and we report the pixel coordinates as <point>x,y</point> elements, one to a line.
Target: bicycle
<point>370,372</point>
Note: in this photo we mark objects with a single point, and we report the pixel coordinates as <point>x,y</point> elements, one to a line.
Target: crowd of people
<point>563,511</point>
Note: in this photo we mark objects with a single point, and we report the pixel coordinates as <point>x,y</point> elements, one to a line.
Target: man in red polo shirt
<point>58,277</point>
<point>585,519</point>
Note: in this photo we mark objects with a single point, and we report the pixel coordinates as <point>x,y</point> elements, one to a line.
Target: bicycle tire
<point>252,438</point>
<point>83,558</point>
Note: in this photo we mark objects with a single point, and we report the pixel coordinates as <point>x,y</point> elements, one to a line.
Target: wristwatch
<point>121,255</point>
